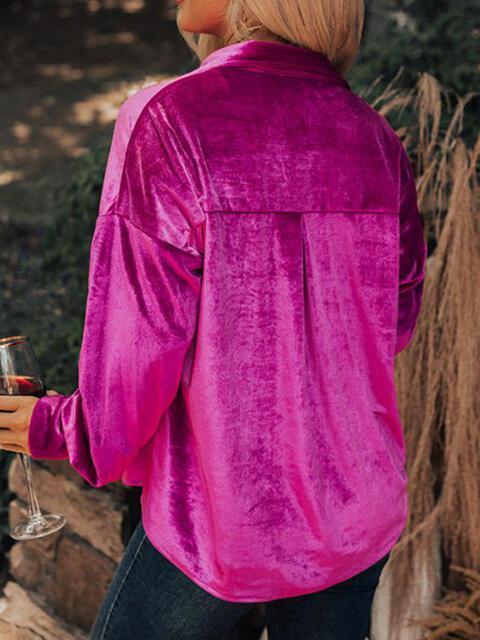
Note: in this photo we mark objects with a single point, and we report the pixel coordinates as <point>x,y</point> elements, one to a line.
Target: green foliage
<point>437,37</point>
<point>44,274</point>
<point>66,245</point>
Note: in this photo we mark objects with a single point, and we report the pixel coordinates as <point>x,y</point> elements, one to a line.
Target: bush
<point>65,246</point>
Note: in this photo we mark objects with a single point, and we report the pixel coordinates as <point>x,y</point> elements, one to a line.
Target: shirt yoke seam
<point>299,211</point>
<point>164,88</point>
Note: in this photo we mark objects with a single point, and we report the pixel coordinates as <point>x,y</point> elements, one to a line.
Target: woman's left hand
<point>15,416</point>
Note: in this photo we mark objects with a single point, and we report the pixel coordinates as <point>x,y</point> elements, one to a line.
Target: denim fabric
<point>150,598</point>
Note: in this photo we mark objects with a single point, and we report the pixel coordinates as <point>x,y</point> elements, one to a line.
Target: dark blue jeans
<point>151,599</point>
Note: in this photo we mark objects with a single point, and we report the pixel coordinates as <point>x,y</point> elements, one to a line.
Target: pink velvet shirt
<point>257,263</point>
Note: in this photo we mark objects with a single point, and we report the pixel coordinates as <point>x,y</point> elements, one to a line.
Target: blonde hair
<point>332,27</point>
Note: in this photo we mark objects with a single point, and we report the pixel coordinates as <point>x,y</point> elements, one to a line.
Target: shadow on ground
<point>65,67</point>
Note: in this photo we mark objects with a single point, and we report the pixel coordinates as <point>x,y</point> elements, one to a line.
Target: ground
<point>65,66</point>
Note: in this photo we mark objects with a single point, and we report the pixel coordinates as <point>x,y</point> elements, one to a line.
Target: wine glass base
<point>37,527</point>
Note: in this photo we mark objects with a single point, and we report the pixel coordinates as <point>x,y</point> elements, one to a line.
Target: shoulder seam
<point>145,112</point>
<point>163,89</point>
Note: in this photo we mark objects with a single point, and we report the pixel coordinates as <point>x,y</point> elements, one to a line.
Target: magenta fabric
<point>257,263</point>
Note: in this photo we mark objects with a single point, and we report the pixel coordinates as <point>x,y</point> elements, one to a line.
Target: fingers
<point>14,440</point>
<point>15,416</point>
<point>18,418</point>
<point>10,403</point>
<point>10,421</point>
<point>9,437</point>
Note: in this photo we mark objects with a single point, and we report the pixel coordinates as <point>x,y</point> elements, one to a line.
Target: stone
<point>71,575</point>
<point>82,577</point>
<point>63,468</point>
<point>94,514</point>
<point>24,616</point>
<point>32,562</point>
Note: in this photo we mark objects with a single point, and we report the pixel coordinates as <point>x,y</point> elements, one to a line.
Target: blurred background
<point>65,68</point>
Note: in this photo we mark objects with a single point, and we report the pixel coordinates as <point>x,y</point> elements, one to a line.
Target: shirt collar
<point>283,58</point>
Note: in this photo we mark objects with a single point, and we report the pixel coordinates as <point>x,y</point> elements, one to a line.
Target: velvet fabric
<point>257,263</point>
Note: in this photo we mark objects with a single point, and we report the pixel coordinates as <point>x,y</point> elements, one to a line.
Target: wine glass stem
<point>34,512</point>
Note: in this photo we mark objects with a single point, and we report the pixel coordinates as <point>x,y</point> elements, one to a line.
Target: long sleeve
<point>143,293</point>
<point>412,257</point>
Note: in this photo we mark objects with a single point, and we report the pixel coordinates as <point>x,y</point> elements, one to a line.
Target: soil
<point>65,68</point>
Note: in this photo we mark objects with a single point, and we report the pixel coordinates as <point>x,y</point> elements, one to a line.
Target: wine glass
<point>20,376</point>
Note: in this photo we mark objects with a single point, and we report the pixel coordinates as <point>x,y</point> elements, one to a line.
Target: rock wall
<point>66,574</point>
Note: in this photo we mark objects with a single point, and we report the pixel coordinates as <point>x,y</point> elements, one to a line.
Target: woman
<point>257,263</point>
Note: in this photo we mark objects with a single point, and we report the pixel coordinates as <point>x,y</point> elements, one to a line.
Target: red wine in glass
<point>22,385</point>
<point>20,376</point>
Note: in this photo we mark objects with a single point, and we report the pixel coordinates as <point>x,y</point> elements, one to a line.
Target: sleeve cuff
<point>45,435</point>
